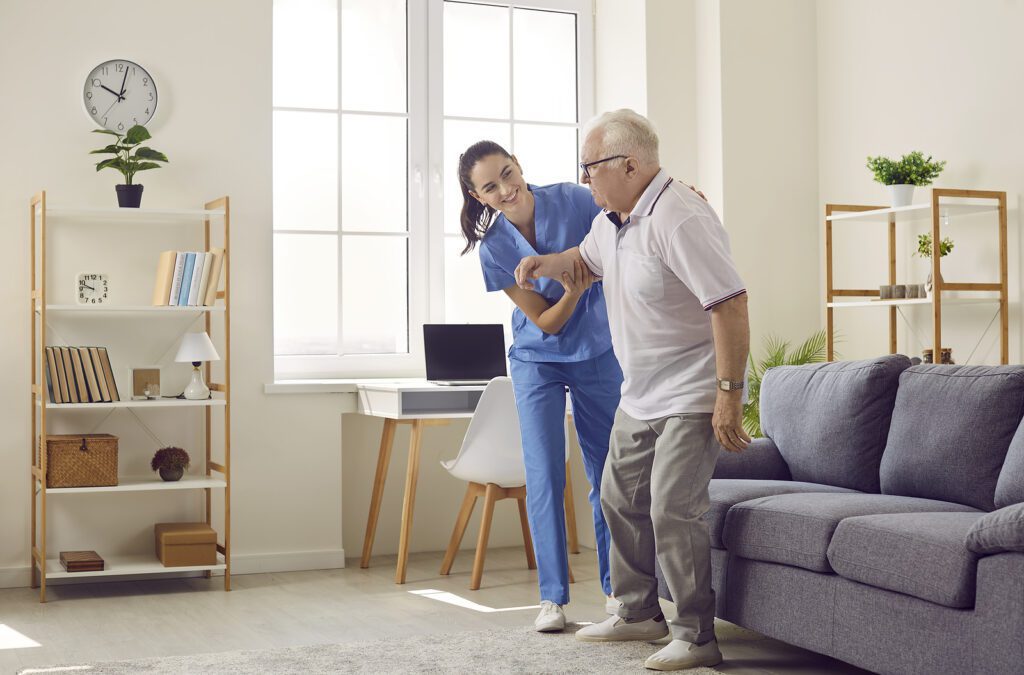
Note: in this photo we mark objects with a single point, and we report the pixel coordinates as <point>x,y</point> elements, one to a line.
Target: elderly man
<point>678,315</point>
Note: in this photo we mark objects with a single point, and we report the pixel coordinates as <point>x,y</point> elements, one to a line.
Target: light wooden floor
<point>109,621</point>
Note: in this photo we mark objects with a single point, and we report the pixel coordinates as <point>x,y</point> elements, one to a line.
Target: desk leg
<point>387,439</point>
<point>410,498</point>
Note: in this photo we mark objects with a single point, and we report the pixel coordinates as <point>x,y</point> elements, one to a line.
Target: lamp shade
<point>196,347</point>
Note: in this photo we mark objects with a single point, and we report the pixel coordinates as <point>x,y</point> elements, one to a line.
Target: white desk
<point>421,404</point>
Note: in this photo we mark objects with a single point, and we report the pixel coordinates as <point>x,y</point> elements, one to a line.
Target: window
<point>374,100</point>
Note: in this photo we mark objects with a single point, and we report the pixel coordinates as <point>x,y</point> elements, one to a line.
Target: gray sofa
<point>880,521</point>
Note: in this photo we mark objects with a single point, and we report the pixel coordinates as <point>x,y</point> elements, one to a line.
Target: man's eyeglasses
<point>585,166</point>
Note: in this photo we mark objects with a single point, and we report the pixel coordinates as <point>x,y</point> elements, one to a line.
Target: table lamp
<point>196,348</point>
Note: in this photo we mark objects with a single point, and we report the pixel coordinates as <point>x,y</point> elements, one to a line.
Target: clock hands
<point>123,80</point>
<point>119,96</point>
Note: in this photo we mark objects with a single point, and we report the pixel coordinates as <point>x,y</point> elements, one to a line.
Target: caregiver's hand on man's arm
<point>552,266</point>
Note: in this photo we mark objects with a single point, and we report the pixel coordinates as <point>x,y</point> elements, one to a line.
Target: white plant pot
<point>901,195</point>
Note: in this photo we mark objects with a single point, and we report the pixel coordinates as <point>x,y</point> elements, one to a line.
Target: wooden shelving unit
<point>217,473</point>
<point>983,202</point>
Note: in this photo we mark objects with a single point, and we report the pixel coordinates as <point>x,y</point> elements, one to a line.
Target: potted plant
<point>171,462</point>
<point>924,249</point>
<point>130,157</point>
<point>903,174</point>
<point>813,350</point>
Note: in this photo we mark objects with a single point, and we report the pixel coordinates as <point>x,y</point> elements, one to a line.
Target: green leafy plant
<point>813,350</point>
<point>170,458</point>
<point>924,246</point>
<point>130,156</point>
<point>912,169</point>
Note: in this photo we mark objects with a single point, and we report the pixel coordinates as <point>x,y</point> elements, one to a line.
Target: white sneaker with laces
<point>551,618</point>
<point>611,605</point>
<point>680,655</point>
<point>615,628</point>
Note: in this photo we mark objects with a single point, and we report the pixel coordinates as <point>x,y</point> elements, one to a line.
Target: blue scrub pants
<point>595,386</point>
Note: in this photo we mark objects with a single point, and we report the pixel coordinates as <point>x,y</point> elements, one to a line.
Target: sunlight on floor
<point>12,639</point>
<point>57,669</point>
<point>458,601</point>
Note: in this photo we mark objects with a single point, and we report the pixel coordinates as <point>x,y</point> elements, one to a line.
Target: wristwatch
<point>729,385</point>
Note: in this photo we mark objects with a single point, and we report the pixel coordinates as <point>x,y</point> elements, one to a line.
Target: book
<point>63,371</point>
<point>108,373</point>
<point>101,378</point>
<point>164,277</point>
<point>52,382</point>
<point>82,395</point>
<point>214,280</point>
<point>179,269</point>
<point>197,278</point>
<point>81,561</point>
<point>186,279</point>
<point>90,375</point>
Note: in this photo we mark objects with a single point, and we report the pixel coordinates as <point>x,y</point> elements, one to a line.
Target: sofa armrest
<point>998,531</point>
<point>999,607</point>
<point>760,461</point>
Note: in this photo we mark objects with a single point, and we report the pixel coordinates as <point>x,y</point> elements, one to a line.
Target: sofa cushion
<point>830,420</point>
<point>998,531</point>
<point>1010,486</point>
<point>796,529</point>
<point>950,431</point>
<point>919,554</point>
<point>725,492</point>
<point>760,460</point>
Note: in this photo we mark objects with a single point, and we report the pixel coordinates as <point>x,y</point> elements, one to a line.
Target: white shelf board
<point>911,301</point>
<point>129,564</point>
<point>128,215</point>
<point>161,403</point>
<point>914,212</point>
<point>146,484</point>
<point>112,310</point>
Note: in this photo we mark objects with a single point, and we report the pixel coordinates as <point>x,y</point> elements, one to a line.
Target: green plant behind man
<point>813,350</point>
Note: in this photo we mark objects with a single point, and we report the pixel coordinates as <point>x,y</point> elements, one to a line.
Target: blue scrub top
<point>563,214</point>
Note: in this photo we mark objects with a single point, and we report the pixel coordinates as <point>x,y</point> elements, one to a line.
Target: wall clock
<point>119,94</point>
<point>91,289</point>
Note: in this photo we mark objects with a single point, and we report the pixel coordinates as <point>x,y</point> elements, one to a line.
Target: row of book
<point>79,375</point>
<point>188,278</point>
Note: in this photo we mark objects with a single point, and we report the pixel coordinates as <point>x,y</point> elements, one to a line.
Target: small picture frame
<point>145,382</point>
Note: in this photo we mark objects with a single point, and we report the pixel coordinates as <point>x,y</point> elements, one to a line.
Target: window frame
<point>425,183</point>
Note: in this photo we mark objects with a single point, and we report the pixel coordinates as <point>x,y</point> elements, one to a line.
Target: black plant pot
<point>171,475</point>
<point>129,196</point>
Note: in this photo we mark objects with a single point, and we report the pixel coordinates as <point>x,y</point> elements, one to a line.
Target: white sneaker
<point>551,618</point>
<point>615,628</point>
<point>611,605</point>
<point>680,655</point>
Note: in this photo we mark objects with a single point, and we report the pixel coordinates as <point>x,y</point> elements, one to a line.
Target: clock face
<point>119,94</point>
<point>92,288</point>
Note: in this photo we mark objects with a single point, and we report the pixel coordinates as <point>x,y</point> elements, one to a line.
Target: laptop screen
<point>464,351</point>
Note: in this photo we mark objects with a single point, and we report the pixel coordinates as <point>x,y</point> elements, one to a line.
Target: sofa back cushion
<point>830,420</point>
<point>1010,487</point>
<point>950,432</point>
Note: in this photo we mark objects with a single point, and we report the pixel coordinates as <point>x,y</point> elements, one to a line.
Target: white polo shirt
<point>663,270</point>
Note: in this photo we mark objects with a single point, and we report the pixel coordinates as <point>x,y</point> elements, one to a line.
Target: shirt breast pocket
<point>642,278</point>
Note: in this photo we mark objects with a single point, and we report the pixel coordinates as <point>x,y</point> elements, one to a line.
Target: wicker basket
<point>83,460</point>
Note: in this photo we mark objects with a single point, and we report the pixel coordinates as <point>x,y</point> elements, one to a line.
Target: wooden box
<point>81,460</point>
<point>185,544</point>
<point>81,561</point>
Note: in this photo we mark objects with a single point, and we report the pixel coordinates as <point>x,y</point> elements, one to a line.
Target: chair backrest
<point>492,451</point>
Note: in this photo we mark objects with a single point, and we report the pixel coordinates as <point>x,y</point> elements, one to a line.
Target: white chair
<point>491,461</point>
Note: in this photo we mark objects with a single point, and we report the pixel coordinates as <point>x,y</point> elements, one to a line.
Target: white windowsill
<point>328,386</point>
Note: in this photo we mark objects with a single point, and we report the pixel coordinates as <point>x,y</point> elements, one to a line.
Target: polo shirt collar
<point>648,199</point>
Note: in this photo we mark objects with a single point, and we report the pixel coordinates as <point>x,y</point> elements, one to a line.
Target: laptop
<point>464,353</point>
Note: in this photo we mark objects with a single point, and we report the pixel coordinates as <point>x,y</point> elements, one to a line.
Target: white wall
<point>944,78</point>
<point>620,56</point>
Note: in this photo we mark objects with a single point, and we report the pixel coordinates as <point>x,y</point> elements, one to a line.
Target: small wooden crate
<point>81,460</point>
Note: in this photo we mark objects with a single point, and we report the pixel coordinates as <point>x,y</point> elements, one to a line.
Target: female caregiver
<point>560,339</point>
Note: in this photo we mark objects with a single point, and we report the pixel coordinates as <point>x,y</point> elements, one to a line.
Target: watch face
<point>92,289</point>
<point>119,94</point>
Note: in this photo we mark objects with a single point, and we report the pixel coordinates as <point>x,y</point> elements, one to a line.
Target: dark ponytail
<point>475,217</point>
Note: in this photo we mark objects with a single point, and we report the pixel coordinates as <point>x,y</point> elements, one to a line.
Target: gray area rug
<point>518,650</point>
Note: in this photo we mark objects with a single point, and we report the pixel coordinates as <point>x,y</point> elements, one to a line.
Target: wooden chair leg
<point>531,561</point>
<point>570,514</point>
<point>490,497</point>
<point>469,501</point>
<point>572,579</point>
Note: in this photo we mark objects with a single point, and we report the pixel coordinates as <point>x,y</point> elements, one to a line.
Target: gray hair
<point>625,132</point>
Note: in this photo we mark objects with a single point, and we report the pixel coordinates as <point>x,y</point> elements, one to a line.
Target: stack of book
<point>188,278</point>
<point>79,375</point>
<point>81,561</point>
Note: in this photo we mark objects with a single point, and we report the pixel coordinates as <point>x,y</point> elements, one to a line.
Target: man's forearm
<point>731,329</point>
<point>553,265</point>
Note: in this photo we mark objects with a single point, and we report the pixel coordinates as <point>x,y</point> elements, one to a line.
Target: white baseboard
<point>256,563</point>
